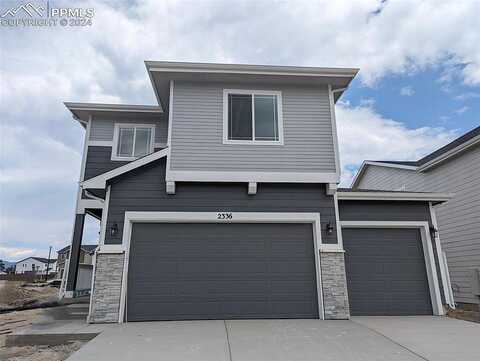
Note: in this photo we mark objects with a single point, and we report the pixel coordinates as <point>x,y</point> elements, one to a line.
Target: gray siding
<point>197,132</point>
<point>144,190</point>
<point>399,211</point>
<point>376,177</point>
<point>99,160</point>
<point>458,219</point>
<point>102,129</point>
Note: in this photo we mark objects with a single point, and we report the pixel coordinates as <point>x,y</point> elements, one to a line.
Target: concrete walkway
<point>362,339</point>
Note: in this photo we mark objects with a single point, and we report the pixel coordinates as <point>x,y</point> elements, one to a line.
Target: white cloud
<point>467,96</point>
<point>461,110</point>
<point>9,253</point>
<point>365,134</point>
<point>407,91</point>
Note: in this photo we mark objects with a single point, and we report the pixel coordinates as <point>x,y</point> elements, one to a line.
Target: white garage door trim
<point>427,252</point>
<point>222,217</point>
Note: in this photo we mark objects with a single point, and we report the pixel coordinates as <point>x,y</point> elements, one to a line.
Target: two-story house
<point>454,168</point>
<point>222,202</point>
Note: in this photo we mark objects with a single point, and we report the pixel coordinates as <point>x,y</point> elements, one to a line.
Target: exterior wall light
<point>329,228</point>
<point>114,230</point>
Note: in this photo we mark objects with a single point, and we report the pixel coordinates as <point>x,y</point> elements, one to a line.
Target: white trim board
<point>100,181</point>
<point>395,196</point>
<point>427,252</point>
<point>248,176</point>
<point>212,217</point>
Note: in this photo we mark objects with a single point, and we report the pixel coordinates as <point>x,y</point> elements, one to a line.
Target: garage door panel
<point>386,273</point>
<point>217,271</point>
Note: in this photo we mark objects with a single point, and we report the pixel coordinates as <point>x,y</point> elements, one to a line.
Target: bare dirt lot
<point>15,293</point>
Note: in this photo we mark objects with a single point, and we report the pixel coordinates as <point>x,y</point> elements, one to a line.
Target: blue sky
<point>418,87</point>
<point>421,99</point>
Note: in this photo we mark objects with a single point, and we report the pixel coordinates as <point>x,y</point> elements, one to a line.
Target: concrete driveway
<point>362,338</point>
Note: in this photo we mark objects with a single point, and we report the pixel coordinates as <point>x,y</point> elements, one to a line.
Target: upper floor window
<point>132,141</point>
<point>252,117</point>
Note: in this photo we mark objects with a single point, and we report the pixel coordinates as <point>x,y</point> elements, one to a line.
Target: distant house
<point>86,257</point>
<point>37,265</point>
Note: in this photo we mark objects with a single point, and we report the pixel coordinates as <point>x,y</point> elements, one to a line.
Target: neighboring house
<point>85,258</point>
<point>37,265</point>
<point>454,168</point>
<point>222,202</point>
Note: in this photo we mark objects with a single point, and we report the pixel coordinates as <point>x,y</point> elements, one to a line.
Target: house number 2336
<point>225,216</point>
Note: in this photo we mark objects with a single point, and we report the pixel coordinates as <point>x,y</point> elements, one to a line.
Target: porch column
<point>74,254</point>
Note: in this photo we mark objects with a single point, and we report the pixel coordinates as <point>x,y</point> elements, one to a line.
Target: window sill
<point>123,159</point>
<point>252,142</point>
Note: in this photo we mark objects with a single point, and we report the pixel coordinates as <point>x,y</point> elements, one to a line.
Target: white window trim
<point>116,134</point>
<point>253,92</point>
<point>430,266</point>
<point>211,217</point>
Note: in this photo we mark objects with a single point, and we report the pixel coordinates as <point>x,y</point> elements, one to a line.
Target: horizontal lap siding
<point>102,129</point>
<point>144,190</point>
<point>458,219</point>
<point>197,132</point>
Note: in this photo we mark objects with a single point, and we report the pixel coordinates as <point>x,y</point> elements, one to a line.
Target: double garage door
<point>221,271</point>
<point>188,271</point>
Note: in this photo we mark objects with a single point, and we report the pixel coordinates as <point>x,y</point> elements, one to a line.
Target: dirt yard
<point>466,315</point>
<point>14,294</point>
<point>16,321</point>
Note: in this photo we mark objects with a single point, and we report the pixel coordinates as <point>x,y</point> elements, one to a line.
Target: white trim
<point>169,134</point>
<point>331,188</point>
<point>111,249</point>
<point>449,282</point>
<point>441,263</point>
<point>170,187</point>
<point>100,180</point>
<point>253,92</point>
<point>210,68</point>
<point>88,203</point>
<point>452,152</point>
<point>252,188</point>
<point>103,223</point>
<point>212,217</point>
<point>427,251</point>
<point>92,285</point>
<point>116,136</point>
<point>334,129</point>
<point>337,221</point>
<point>100,143</point>
<point>159,145</point>
<point>267,177</point>
<point>113,107</point>
<point>395,196</point>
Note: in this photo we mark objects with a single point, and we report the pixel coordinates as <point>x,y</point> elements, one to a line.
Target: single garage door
<point>185,271</point>
<point>386,273</point>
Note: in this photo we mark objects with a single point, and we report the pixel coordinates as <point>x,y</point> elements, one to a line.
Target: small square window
<point>252,117</point>
<point>132,141</point>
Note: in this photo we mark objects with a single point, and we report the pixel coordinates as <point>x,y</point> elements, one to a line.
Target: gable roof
<point>86,247</point>
<point>39,259</point>
<point>100,181</point>
<point>440,155</point>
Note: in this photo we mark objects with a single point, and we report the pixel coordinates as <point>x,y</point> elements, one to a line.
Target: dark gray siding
<point>386,272</point>
<point>187,271</point>
<point>390,211</point>
<point>144,190</point>
<point>99,160</point>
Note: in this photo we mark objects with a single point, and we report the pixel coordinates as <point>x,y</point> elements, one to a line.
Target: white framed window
<point>132,141</point>
<point>252,117</point>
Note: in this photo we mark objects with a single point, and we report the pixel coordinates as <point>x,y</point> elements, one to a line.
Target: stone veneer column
<point>106,287</point>
<point>334,284</point>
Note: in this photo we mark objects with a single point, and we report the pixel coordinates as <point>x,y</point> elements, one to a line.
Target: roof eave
<point>396,196</point>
